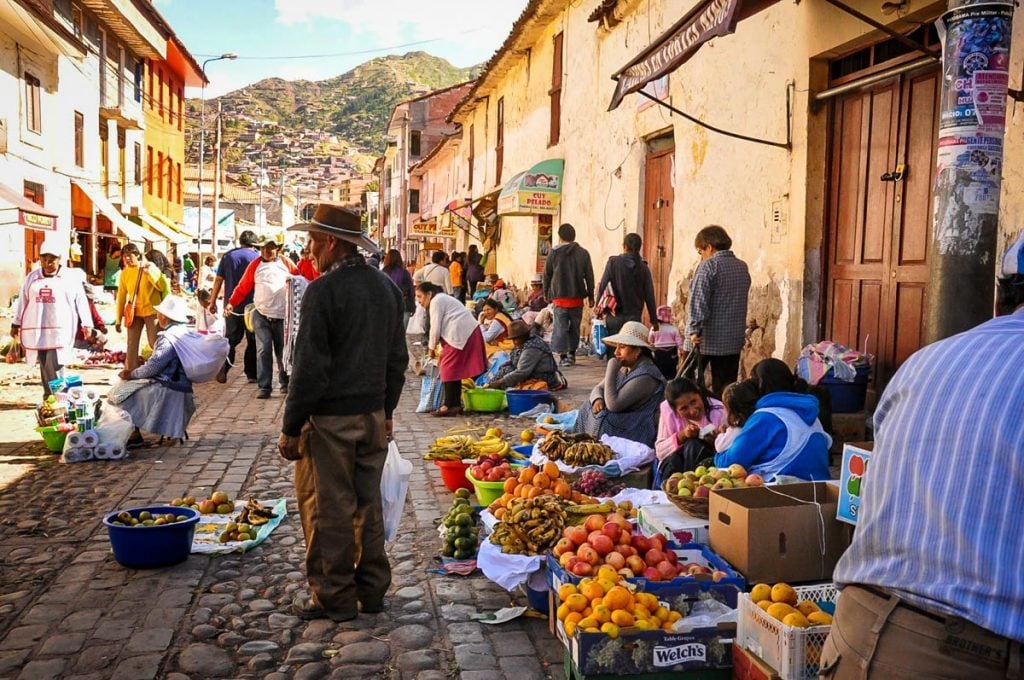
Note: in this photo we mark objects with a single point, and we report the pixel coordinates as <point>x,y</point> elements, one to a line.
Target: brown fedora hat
<point>339,222</point>
<point>518,329</point>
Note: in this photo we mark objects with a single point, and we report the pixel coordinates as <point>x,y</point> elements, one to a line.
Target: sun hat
<point>269,241</point>
<point>537,281</point>
<point>174,308</point>
<point>664,314</point>
<point>518,329</point>
<point>51,246</point>
<point>1013,261</point>
<point>632,334</point>
<point>338,222</point>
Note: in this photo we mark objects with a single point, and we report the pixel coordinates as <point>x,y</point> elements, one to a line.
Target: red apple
<point>612,531</point>
<point>657,541</point>
<point>754,480</point>
<point>666,570</point>
<point>477,472</point>
<point>625,538</point>
<point>635,564</point>
<point>627,550</point>
<point>672,557</point>
<point>578,535</point>
<point>602,544</point>
<point>587,554</point>
<point>641,543</point>
<point>702,492</point>
<point>582,569</point>
<point>695,569</point>
<point>619,519</point>
<point>594,534</point>
<point>594,522</point>
<point>652,574</point>
<point>486,465</point>
<point>718,575</point>
<point>566,560</point>
<point>564,545</point>
<point>654,557</point>
<point>615,559</point>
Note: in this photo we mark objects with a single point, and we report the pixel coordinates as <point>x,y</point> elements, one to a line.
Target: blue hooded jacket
<point>764,437</point>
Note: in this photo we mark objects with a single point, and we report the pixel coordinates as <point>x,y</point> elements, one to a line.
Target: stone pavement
<point>67,610</point>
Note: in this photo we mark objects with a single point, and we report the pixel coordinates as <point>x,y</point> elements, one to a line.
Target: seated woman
<point>531,365</point>
<point>495,324</point>
<point>158,394</point>
<point>625,403</point>
<point>688,421</point>
<point>784,435</point>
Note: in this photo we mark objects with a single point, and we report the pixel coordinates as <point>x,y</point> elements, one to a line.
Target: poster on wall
<point>544,246</point>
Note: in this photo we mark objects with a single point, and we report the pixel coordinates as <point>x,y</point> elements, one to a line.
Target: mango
<point>806,607</point>
<point>780,610</point>
<point>783,592</point>
<point>762,591</point>
<point>819,618</point>
<point>795,619</point>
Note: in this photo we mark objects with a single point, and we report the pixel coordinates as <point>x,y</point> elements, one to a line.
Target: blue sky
<point>465,32</point>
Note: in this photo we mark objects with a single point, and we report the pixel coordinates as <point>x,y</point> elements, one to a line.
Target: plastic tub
<point>484,401</point>
<point>52,437</point>
<point>847,397</point>
<point>486,492</point>
<point>152,547</point>
<point>520,401</point>
<point>453,474</point>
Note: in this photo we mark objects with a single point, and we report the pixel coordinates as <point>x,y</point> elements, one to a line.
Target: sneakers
<point>567,361</point>
<point>263,394</point>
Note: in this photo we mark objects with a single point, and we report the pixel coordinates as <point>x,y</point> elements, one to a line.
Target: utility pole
<point>972,122</point>
<point>216,187</point>
<point>202,148</point>
<point>284,223</point>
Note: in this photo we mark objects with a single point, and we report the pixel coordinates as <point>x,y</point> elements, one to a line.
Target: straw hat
<point>174,308</point>
<point>632,334</point>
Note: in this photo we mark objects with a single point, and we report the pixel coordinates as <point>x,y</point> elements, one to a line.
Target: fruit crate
<point>794,652</point>
<point>573,673</point>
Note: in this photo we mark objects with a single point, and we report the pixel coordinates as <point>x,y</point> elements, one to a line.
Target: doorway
<point>881,175</point>
<point>659,196</point>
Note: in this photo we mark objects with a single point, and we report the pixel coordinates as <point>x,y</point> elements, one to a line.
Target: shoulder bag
<point>130,305</point>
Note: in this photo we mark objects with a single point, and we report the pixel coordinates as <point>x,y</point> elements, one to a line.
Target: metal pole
<point>259,219</point>
<point>972,123</point>
<point>202,146</point>
<point>216,187</point>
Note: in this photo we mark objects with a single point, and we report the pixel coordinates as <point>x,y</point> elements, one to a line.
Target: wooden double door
<point>881,178</point>
<point>659,196</point>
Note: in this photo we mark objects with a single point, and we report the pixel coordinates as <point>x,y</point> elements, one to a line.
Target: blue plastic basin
<point>152,547</point>
<point>847,397</point>
<point>520,401</point>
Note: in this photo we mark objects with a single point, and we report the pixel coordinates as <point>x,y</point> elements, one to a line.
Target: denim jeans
<point>269,345</point>
<point>566,336</point>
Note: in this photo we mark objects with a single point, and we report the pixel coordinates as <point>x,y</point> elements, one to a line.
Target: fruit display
<point>146,519</point>
<point>255,514</point>
<point>461,533</point>
<point>597,484</point>
<point>533,481</point>
<point>555,444</point>
<point>780,601</point>
<point>492,468</point>
<point>464,446</point>
<point>530,526</point>
<point>218,503</point>
<point>701,482</point>
<point>609,540</point>
<point>234,531</point>
<point>606,604</point>
<point>105,358</point>
<point>588,453</point>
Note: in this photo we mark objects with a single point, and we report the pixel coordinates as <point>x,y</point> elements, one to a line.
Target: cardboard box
<point>855,464</point>
<point>747,666</point>
<point>774,533</point>
<point>672,523</point>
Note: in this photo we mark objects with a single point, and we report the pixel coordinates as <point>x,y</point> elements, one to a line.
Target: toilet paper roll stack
<point>110,452</point>
<point>77,455</point>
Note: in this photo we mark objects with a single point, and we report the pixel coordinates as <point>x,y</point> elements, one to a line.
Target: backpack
<point>201,356</point>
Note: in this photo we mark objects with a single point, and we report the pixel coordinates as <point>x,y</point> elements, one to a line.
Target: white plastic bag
<point>202,356</point>
<point>417,322</point>
<point>394,484</point>
<point>114,427</point>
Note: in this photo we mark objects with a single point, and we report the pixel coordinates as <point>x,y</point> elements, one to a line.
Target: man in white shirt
<point>436,273</point>
<point>266,277</point>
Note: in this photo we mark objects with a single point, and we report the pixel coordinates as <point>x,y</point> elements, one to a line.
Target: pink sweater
<point>666,337</point>
<point>670,424</point>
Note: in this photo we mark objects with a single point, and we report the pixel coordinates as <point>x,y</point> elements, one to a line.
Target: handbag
<point>598,332</point>
<point>431,389</point>
<point>129,307</point>
<point>14,352</point>
<point>690,368</point>
<point>606,304</point>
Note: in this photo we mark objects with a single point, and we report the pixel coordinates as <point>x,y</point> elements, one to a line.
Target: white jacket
<point>450,321</point>
<point>436,274</point>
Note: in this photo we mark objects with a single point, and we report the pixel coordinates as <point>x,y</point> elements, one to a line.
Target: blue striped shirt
<point>943,496</point>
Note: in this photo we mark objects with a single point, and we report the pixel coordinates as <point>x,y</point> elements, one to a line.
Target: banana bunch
<point>255,514</point>
<point>451,447</point>
<point>486,446</point>
<point>555,445</point>
<point>588,453</point>
<point>531,526</point>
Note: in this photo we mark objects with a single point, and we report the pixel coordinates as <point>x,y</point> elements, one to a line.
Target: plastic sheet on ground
<point>207,537</point>
<point>508,571</point>
<point>629,456</point>
<point>564,422</point>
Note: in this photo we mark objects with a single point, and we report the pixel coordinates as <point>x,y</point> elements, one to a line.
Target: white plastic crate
<point>794,652</point>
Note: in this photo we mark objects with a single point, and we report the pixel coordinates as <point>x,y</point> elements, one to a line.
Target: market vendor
<point>531,365</point>
<point>158,395</point>
<point>688,421</point>
<point>48,313</point>
<point>456,337</point>
<point>495,324</point>
<point>784,435</point>
<point>625,404</point>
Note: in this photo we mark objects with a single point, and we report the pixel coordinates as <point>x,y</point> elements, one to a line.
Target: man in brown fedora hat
<point>347,374</point>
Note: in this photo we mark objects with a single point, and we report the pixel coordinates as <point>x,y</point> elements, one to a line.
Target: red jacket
<point>308,269</point>
<point>248,280</point>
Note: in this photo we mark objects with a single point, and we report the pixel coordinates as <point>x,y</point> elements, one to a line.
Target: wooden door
<point>880,219</point>
<point>33,237</point>
<point>657,236</point>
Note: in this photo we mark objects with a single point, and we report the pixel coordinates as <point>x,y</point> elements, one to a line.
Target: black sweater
<point>350,354</point>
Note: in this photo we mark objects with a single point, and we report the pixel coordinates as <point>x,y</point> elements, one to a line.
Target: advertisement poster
<point>544,246</point>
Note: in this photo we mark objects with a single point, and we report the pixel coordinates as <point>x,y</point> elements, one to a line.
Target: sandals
<point>445,412</point>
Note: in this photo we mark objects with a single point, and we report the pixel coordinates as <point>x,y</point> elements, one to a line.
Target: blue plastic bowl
<point>152,547</point>
<point>520,401</point>
<point>537,599</point>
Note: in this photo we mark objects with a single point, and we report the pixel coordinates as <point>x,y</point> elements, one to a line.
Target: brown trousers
<point>337,482</point>
<point>880,637</point>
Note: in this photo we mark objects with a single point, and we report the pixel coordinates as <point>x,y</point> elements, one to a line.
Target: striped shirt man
<point>941,506</point>
<point>718,305</point>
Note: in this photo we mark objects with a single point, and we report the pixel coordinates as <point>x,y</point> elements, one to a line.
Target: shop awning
<point>173,236</point>
<point>174,226</point>
<point>538,191</point>
<point>709,19</point>
<point>101,203</point>
<point>16,209</point>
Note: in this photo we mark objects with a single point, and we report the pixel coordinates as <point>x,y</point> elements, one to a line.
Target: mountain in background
<point>354,107</point>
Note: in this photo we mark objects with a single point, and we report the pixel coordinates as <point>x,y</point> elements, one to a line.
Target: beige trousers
<point>337,482</point>
<point>135,337</point>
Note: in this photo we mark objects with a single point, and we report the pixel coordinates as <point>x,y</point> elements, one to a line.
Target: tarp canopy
<point>16,209</point>
<point>129,229</point>
<point>538,191</point>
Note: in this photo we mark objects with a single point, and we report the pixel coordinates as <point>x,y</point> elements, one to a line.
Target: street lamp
<point>202,148</point>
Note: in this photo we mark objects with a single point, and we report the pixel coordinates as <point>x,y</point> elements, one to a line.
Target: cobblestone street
<point>68,610</point>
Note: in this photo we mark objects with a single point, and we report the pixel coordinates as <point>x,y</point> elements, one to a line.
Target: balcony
<point>117,101</point>
<point>131,26</point>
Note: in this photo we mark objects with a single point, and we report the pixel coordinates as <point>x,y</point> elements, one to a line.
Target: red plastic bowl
<point>453,474</point>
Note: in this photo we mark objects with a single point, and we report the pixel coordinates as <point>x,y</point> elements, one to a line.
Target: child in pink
<point>666,341</point>
<point>687,424</point>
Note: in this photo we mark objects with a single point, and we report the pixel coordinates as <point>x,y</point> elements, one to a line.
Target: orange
<point>592,590</point>
<point>541,480</point>
<point>644,624</point>
<point>565,590</point>
<point>610,629</point>
<point>570,627</point>
<point>563,611</point>
<point>661,614</point>
<point>607,584</point>
<point>603,614</point>
<point>499,514</point>
<point>510,485</point>
<point>574,617</point>
<point>527,474</point>
<point>667,627</point>
<point>588,623</point>
<point>562,489</point>
<point>640,612</point>
<point>608,572</point>
<point>619,598</point>
<point>674,616</point>
<point>576,602</point>
<point>551,470</point>
<point>536,491</point>
<point>649,602</point>
<point>622,618</point>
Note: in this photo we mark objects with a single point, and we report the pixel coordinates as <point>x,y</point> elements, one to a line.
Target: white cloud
<point>475,27</point>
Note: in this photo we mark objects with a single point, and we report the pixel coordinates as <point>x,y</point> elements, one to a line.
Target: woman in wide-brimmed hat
<point>531,365</point>
<point>625,404</point>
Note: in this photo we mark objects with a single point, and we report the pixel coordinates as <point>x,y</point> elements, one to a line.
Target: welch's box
<point>851,478</point>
